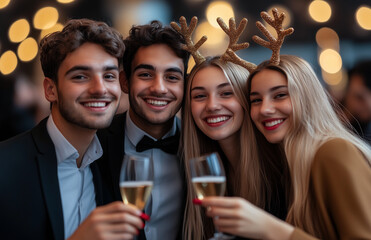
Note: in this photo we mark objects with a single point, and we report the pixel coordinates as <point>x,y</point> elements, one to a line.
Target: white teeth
<point>275,122</point>
<point>95,104</point>
<point>156,102</point>
<point>216,120</point>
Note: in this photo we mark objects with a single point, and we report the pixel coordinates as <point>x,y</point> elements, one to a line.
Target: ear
<point>124,83</point>
<point>50,90</point>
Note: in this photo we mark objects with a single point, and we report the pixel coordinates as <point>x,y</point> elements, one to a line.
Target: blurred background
<point>333,36</point>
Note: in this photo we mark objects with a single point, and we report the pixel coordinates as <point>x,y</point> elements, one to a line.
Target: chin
<point>274,140</point>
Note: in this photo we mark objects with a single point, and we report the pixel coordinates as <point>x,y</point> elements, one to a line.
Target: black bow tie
<point>169,145</point>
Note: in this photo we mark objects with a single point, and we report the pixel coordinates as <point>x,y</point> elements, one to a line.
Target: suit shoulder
<point>15,141</point>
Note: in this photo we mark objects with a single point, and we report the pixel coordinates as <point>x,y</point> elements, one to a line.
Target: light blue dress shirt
<point>165,205</point>
<point>76,184</point>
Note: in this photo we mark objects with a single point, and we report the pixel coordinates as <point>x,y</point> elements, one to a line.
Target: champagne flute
<point>136,180</point>
<point>208,179</point>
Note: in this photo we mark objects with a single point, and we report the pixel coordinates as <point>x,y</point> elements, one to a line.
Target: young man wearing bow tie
<point>155,66</point>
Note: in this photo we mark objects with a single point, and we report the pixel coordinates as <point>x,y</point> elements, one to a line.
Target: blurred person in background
<point>14,118</point>
<point>357,99</point>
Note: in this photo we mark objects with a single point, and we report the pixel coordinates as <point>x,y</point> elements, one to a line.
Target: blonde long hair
<point>254,183</point>
<point>314,122</point>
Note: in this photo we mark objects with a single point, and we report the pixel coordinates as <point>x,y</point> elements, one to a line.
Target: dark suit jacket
<point>30,201</point>
<point>112,140</point>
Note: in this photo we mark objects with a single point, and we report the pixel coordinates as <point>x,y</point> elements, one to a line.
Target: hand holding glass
<point>136,180</point>
<point>208,179</point>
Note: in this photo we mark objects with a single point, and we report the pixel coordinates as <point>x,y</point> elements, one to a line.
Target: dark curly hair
<point>153,33</point>
<point>55,47</point>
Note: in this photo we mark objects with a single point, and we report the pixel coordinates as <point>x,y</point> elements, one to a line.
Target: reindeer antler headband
<point>186,32</point>
<point>273,43</point>
<point>234,34</point>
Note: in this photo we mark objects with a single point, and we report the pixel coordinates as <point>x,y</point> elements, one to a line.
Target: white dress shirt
<point>76,184</point>
<point>165,205</point>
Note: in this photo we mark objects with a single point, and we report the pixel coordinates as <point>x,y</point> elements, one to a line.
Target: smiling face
<point>215,109</point>
<point>271,107</point>
<point>156,86</point>
<point>88,89</point>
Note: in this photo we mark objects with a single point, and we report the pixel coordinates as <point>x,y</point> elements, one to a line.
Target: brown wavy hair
<point>56,46</point>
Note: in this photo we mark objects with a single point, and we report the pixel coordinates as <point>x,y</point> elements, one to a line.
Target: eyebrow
<point>144,66</point>
<point>218,87</point>
<point>271,90</point>
<point>150,67</point>
<point>87,68</point>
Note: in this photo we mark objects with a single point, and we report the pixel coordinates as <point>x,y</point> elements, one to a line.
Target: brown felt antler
<point>234,34</point>
<point>273,43</point>
<point>186,32</point>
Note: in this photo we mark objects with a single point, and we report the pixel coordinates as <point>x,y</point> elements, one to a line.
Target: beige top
<point>340,184</point>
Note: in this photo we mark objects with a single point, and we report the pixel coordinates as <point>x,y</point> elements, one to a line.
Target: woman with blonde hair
<point>215,119</point>
<point>329,165</point>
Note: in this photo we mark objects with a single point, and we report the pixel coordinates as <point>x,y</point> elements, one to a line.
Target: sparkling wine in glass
<point>208,179</point>
<point>136,180</point>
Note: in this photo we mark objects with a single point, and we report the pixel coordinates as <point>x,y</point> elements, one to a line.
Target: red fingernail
<point>145,217</point>
<point>197,201</point>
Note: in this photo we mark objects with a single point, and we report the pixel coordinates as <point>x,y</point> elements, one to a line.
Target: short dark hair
<point>149,34</point>
<point>56,46</point>
<point>363,69</point>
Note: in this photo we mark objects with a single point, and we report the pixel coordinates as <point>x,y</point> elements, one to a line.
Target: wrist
<point>278,229</point>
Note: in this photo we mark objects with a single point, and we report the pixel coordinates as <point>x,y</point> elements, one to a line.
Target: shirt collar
<point>64,150</point>
<point>135,134</point>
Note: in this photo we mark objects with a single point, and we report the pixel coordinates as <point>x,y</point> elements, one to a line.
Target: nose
<point>212,103</point>
<point>98,86</point>
<point>158,85</point>
<point>267,107</point>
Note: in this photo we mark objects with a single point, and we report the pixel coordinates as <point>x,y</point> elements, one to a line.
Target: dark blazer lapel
<point>97,179</point>
<point>115,150</point>
<point>47,163</point>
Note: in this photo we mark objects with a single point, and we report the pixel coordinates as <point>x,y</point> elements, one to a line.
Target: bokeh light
<point>214,35</point>
<point>45,18</point>
<point>330,61</point>
<point>27,50</point>
<point>65,1</point>
<point>138,13</point>
<point>4,3</point>
<point>363,17</point>
<point>320,11</point>
<point>334,79</point>
<point>191,64</point>
<point>8,62</point>
<point>57,27</point>
<point>327,38</point>
<point>19,30</point>
<point>219,9</point>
